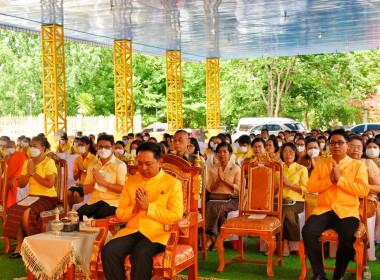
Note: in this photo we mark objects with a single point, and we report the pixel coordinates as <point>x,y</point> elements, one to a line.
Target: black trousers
<point>345,228</point>
<point>141,250</point>
<point>100,210</point>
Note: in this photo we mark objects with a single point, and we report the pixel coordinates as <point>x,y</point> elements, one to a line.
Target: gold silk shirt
<point>341,197</point>
<point>165,206</point>
<point>297,175</point>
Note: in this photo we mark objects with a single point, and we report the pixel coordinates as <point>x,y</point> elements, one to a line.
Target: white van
<point>246,124</point>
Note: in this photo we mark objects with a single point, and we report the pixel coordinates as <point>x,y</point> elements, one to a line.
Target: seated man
<point>339,181</point>
<point>150,199</point>
<point>104,180</point>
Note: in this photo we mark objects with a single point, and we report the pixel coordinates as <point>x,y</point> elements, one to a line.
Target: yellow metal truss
<point>123,86</point>
<point>54,80</point>
<point>174,90</point>
<point>213,93</point>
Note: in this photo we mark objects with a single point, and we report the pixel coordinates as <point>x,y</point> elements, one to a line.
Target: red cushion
<point>183,253</point>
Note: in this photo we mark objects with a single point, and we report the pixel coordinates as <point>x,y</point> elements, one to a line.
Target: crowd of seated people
<point>99,171</point>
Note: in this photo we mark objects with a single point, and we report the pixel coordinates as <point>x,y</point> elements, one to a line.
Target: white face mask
<point>313,153</point>
<point>301,149</point>
<point>34,152</point>
<point>11,151</point>
<point>75,144</point>
<point>61,142</point>
<point>291,138</point>
<point>133,152</point>
<point>212,145</point>
<point>145,138</point>
<point>82,150</point>
<point>372,152</point>
<point>280,144</point>
<point>103,153</point>
<point>24,144</point>
<point>18,142</point>
<point>2,143</point>
<point>370,135</point>
<point>228,141</point>
<point>119,151</point>
<point>215,147</point>
<point>244,149</point>
<point>322,145</point>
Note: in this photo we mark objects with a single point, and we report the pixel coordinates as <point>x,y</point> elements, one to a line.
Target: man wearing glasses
<point>339,180</point>
<point>104,181</point>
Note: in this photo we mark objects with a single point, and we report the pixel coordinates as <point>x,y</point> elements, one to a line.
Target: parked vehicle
<point>274,126</point>
<point>365,126</point>
<point>156,127</point>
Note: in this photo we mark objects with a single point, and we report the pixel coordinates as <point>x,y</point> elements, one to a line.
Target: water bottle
<point>366,273</point>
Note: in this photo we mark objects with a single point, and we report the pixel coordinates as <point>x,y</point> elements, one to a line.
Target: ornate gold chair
<point>260,212</point>
<point>182,248</point>
<point>202,225</point>
<point>3,202</point>
<point>360,245</point>
<point>61,188</point>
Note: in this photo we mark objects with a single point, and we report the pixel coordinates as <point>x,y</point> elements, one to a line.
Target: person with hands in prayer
<point>104,181</point>
<point>150,199</point>
<point>339,181</point>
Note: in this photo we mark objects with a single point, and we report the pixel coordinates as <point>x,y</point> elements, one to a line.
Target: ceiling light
<point>320,35</point>
<point>285,18</point>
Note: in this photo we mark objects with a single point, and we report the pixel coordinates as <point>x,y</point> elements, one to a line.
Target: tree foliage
<point>320,90</point>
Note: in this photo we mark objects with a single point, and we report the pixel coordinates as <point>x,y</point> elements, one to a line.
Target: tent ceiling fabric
<point>228,29</point>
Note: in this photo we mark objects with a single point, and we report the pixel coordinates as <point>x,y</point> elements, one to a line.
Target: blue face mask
<point>125,142</point>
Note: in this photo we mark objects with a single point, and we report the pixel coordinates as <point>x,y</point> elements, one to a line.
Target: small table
<point>48,256</point>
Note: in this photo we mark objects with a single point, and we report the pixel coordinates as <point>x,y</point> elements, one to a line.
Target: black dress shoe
<point>15,256</point>
<point>320,277</point>
<point>338,278</point>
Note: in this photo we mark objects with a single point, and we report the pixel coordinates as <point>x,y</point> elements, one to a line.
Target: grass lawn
<point>11,268</point>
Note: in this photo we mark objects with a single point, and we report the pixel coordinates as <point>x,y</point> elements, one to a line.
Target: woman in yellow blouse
<point>87,155</point>
<point>223,185</point>
<point>313,154</point>
<point>40,173</point>
<point>24,145</point>
<point>323,144</point>
<point>295,181</point>
<point>63,146</point>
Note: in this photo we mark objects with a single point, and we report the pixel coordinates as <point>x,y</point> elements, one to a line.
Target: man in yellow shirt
<point>104,180</point>
<point>150,199</point>
<point>339,181</point>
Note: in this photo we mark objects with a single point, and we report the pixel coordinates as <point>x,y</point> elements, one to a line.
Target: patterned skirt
<point>16,212</point>
<point>216,213</point>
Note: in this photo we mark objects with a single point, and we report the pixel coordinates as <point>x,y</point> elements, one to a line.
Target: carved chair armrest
<point>104,225</point>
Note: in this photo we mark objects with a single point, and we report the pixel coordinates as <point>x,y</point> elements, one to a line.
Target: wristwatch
<point>34,173</point>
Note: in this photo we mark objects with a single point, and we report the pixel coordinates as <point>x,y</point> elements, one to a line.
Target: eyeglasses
<point>104,147</point>
<point>288,152</point>
<point>356,147</point>
<point>339,143</point>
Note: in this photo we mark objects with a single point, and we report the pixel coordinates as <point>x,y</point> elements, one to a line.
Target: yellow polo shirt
<point>248,154</point>
<point>298,175</point>
<point>343,196</point>
<point>115,171</point>
<point>165,206</point>
<point>45,167</point>
<point>86,162</point>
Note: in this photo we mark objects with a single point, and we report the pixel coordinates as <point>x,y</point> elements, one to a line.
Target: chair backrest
<point>3,187</point>
<point>61,180</point>
<point>189,176</point>
<point>263,191</point>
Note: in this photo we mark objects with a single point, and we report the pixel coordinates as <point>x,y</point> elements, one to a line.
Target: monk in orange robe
<point>15,161</point>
